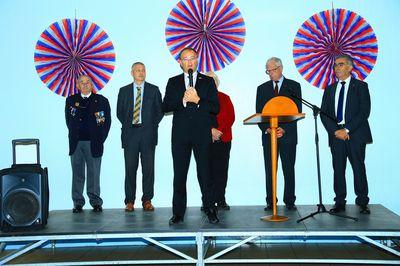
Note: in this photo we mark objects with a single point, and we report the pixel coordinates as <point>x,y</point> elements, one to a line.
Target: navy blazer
<point>193,122</point>
<point>265,92</point>
<point>151,114</point>
<point>358,107</point>
<point>98,130</point>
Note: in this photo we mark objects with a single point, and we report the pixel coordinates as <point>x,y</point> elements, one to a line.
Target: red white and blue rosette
<point>70,48</point>
<point>328,34</point>
<point>214,28</point>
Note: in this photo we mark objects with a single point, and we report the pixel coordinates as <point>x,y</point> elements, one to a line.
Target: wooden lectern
<point>278,110</point>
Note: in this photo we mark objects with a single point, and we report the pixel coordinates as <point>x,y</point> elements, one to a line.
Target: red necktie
<point>276,88</point>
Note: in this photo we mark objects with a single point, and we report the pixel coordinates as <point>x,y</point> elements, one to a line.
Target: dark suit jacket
<point>151,114</point>
<point>193,122</point>
<point>265,92</point>
<point>358,107</point>
<point>98,131</point>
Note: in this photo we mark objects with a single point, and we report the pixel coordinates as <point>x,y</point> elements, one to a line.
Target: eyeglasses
<point>268,71</point>
<point>187,59</point>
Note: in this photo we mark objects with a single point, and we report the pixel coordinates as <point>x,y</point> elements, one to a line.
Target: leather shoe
<point>175,219</point>
<point>212,216</point>
<point>291,207</point>
<point>97,208</point>
<point>364,209</point>
<point>77,209</point>
<point>268,207</point>
<point>129,207</point>
<point>338,208</point>
<point>147,206</point>
<point>222,205</point>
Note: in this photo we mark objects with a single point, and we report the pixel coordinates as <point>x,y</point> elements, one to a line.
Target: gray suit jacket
<point>151,114</point>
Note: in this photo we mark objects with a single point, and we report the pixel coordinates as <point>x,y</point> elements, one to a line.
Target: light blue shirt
<point>135,92</point>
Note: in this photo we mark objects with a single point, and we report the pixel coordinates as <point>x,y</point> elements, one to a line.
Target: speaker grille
<point>21,207</point>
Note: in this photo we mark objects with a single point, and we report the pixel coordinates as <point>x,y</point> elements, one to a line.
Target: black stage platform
<point>381,228</point>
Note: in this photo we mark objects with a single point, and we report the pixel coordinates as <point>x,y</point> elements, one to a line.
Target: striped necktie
<point>138,103</point>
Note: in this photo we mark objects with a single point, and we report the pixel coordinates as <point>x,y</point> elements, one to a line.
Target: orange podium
<point>278,110</point>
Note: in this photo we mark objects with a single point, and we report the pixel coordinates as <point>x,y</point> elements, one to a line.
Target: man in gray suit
<point>139,111</point>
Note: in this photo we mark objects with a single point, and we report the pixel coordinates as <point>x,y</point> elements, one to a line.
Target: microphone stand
<point>321,207</point>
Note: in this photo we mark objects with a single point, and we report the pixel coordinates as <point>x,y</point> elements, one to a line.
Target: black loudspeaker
<point>24,199</point>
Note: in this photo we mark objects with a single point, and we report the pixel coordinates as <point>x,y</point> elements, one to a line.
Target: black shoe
<point>97,208</point>
<point>338,208</point>
<point>291,207</point>
<point>77,209</point>
<point>212,216</point>
<point>268,207</point>
<point>222,205</point>
<point>175,219</point>
<point>364,209</point>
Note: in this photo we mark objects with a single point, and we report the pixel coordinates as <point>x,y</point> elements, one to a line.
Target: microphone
<point>190,72</point>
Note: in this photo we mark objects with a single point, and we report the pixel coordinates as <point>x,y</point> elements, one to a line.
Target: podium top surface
<point>260,118</point>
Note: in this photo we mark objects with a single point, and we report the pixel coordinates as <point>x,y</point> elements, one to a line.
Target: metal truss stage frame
<point>240,225</point>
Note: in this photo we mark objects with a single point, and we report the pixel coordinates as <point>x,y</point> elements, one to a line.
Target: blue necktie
<point>339,113</point>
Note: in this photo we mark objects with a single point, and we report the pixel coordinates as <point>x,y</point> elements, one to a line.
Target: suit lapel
<point>181,83</point>
<point>199,82</point>
<point>351,90</point>
<point>333,99</point>
<point>130,101</point>
<point>282,90</point>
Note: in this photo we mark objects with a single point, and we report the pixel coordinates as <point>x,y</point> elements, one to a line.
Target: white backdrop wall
<point>136,28</point>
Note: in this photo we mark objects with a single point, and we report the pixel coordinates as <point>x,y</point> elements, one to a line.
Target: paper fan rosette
<point>70,48</point>
<point>214,28</point>
<point>330,33</point>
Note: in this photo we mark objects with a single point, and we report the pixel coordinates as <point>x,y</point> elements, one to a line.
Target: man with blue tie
<point>139,111</point>
<point>348,100</point>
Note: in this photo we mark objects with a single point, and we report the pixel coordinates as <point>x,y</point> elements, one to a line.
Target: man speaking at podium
<point>349,102</point>
<point>193,98</point>
<point>278,85</point>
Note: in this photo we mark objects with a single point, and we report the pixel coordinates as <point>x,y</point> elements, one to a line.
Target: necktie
<point>276,88</point>
<point>339,112</point>
<point>138,103</point>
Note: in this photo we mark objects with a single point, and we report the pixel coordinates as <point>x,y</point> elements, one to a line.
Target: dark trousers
<point>219,163</point>
<point>131,154</point>
<point>355,151</point>
<point>82,160</point>
<point>181,153</point>
<point>287,153</point>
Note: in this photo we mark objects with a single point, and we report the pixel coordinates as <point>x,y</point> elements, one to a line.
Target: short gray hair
<point>276,60</point>
<point>82,76</point>
<point>137,63</point>
<point>346,57</point>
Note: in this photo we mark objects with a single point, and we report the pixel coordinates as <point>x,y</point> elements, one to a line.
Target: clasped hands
<point>191,96</point>
<point>342,134</point>
<point>279,132</point>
